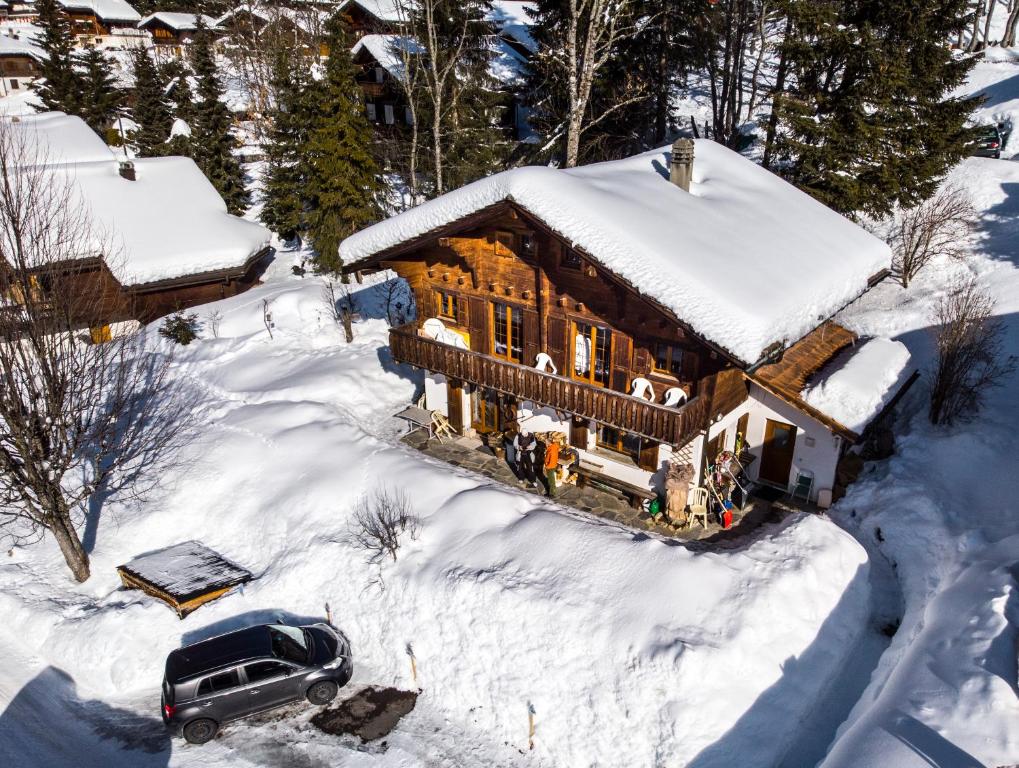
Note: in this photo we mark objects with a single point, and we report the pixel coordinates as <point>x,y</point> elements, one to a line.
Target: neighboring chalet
<point>20,63</point>
<point>380,76</point>
<point>302,28</point>
<point>367,17</point>
<point>105,23</point>
<point>172,32</point>
<point>18,10</point>
<point>653,309</point>
<point>164,240</point>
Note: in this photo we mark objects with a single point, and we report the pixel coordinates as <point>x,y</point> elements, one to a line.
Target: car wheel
<point>200,731</point>
<point>322,692</point>
<point>997,155</point>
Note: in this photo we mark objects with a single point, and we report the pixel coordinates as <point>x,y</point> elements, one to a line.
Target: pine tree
<point>869,122</point>
<point>286,174</point>
<point>100,99</point>
<point>212,141</point>
<point>58,87</point>
<point>151,111</point>
<point>343,186</point>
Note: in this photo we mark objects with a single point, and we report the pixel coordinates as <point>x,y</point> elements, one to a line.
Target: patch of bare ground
<point>369,714</point>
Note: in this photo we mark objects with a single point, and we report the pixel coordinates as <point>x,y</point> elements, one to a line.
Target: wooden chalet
<point>618,304</point>
<point>104,23</point>
<point>20,63</point>
<point>167,241</point>
<point>302,27</point>
<point>380,71</point>
<point>371,17</point>
<point>172,32</point>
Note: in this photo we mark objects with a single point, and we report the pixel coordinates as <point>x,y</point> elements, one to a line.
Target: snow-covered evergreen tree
<point>151,110</point>
<point>99,99</point>
<point>212,140</point>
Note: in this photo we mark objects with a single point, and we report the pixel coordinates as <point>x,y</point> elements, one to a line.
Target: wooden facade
<point>512,289</point>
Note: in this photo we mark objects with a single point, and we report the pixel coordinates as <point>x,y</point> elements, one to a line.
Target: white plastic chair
<point>642,388</point>
<point>543,363</point>
<point>433,327</point>
<point>698,501</point>
<point>673,397</point>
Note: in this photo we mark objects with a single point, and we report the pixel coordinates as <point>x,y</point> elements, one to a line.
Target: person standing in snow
<point>509,444</point>
<point>551,465</point>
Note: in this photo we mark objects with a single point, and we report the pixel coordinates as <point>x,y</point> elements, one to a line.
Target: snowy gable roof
<point>386,49</point>
<point>182,22</point>
<point>512,19</point>
<point>744,258</point>
<point>20,46</point>
<point>384,10</point>
<point>107,10</point>
<point>168,223</point>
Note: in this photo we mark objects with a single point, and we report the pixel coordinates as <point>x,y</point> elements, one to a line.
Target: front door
<point>485,415</point>
<point>271,683</point>
<point>777,452</point>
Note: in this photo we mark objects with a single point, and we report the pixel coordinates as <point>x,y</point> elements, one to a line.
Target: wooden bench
<point>634,493</point>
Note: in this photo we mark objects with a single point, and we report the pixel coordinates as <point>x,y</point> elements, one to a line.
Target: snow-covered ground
<point>632,650</point>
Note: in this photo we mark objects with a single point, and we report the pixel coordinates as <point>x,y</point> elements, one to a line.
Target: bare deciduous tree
<point>341,309</point>
<point>379,522</point>
<point>80,422</point>
<point>935,228</point>
<point>971,356</point>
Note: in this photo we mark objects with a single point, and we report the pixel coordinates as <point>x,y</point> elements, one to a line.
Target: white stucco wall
<point>817,449</point>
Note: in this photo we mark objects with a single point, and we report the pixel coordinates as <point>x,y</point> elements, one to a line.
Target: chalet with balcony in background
<point>105,23</point>
<point>368,17</point>
<point>655,309</point>
<point>163,238</point>
<point>172,32</point>
<point>20,62</point>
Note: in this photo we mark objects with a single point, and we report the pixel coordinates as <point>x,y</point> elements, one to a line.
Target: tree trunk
<point>975,34</point>
<point>70,544</point>
<point>1008,39</point>
<point>783,66</point>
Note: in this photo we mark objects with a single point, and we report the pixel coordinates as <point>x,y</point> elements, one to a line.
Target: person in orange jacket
<point>551,466</point>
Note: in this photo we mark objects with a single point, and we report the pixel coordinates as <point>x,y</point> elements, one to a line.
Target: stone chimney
<point>682,164</point>
<point>127,170</point>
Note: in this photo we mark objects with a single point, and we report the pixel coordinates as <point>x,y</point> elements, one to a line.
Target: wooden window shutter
<point>642,360</point>
<point>477,324</point>
<point>620,363</point>
<point>462,318</point>
<point>530,336</point>
<point>648,456</point>
<point>557,346</point>
<point>578,432</point>
<point>689,365</point>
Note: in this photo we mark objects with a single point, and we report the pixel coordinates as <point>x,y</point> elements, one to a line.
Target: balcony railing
<point>674,426</point>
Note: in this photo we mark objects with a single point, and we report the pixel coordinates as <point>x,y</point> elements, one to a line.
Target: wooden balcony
<point>674,426</point>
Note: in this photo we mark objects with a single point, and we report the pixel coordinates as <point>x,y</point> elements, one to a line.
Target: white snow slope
<point>620,641</point>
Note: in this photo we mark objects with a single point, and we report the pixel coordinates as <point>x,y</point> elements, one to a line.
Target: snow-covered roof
<point>309,20</point>
<point>182,22</point>
<point>512,19</point>
<point>168,223</point>
<point>20,46</point>
<point>107,10</point>
<point>746,259</point>
<point>858,383</point>
<point>385,49</point>
<point>384,10</point>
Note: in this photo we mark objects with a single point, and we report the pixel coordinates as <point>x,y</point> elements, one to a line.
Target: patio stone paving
<point>471,454</point>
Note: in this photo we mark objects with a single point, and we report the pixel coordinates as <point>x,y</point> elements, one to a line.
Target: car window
<point>265,670</point>
<point>224,681</point>
<point>289,643</point>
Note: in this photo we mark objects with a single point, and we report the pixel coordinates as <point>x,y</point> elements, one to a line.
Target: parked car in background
<point>251,670</point>
<point>989,141</point>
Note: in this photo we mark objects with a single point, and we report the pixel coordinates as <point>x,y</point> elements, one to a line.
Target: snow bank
<point>858,383</point>
<point>744,257</point>
<point>168,223</point>
<point>631,649</point>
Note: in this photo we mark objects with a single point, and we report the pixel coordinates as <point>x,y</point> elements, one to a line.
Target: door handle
<point>206,703</point>
<point>253,691</point>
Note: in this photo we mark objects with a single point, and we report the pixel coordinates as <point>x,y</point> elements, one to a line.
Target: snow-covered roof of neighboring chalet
<point>385,49</point>
<point>20,46</point>
<point>107,10</point>
<point>744,258</point>
<point>168,223</point>
<point>859,382</point>
<point>182,22</point>
<point>511,18</point>
<point>384,10</point>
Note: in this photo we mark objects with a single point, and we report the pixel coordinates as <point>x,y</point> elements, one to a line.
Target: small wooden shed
<point>185,576</point>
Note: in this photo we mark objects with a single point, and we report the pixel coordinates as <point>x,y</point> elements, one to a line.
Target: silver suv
<point>251,670</point>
